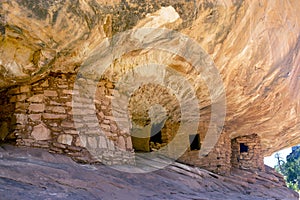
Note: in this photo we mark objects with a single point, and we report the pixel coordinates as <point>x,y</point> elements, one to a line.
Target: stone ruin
<point>246,153</point>
<point>41,107</point>
<point>42,115</point>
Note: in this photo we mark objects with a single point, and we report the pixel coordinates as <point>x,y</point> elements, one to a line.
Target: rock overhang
<point>254,45</point>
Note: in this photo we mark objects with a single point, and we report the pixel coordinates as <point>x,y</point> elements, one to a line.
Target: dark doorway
<point>156,138</point>
<point>194,142</point>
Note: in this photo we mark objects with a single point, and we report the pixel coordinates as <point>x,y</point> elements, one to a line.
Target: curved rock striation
<point>255,46</point>
<point>256,49</point>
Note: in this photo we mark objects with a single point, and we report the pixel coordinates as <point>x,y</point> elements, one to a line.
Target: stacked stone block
<point>252,159</point>
<point>44,114</point>
<point>217,160</point>
<point>44,117</point>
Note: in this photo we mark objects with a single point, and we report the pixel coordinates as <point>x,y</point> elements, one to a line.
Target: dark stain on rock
<point>2,21</point>
<point>2,25</point>
<point>54,18</point>
<point>129,12</point>
<point>39,8</point>
<point>125,15</point>
<point>15,29</point>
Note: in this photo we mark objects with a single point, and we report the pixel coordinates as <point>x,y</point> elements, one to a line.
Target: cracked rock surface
<point>27,173</point>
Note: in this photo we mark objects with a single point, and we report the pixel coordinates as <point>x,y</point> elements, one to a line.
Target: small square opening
<point>194,142</point>
<point>243,148</point>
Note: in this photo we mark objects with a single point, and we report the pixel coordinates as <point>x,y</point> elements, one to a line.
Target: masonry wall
<point>250,160</point>
<point>218,160</point>
<point>44,118</point>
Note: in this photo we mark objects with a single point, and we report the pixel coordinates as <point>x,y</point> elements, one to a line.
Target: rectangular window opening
<point>243,148</point>
<point>194,142</point>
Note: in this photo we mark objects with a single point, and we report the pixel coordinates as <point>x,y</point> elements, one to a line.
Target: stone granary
<point>246,153</point>
<point>53,97</point>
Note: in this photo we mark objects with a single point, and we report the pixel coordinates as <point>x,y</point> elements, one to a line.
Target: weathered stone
<point>102,142</point>
<point>35,117</point>
<point>67,91</point>
<point>80,142</point>
<point>56,109</point>
<point>113,127</point>
<point>21,97</point>
<point>15,90</point>
<point>83,111</point>
<point>50,93</point>
<point>75,148</point>
<point>21,119</point>
<point>92,124</point>
<point>65,139</point>
<point>106,121</point>
<point>21,106</point>
<point>67,124</point>
<point>105,127</point>
<point>56,103</point>
<point>36,107</point>
<point>89,118</point>
<point>41,132</point>
<point>92,142</point>
<point>110,145</point>
<point>121,143</point>
<point>38,98</point>
<point>70,104</point>
<point>25,88</point>
<point>62,86</point>
<point>39,89</point>
<point>54,116</point>
<point>129,143</point>
<point>59,145</point>
<point>45,84</point>
<point>82,100</point>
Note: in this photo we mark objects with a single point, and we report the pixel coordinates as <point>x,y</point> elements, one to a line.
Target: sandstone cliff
<point>255,46</point>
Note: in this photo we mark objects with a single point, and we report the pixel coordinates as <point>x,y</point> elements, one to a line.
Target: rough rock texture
<point>45,117</point>
<point>246,153</point>
<point>258,57</point>
<point>255,46</point>
<point>35,174</point>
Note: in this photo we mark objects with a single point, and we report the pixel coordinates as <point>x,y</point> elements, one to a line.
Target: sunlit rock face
<point>254,45</point>
<point>256,48</point>
<point>57,35</point>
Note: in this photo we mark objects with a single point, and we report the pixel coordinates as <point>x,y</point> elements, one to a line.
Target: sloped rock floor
<point>28,173</point>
